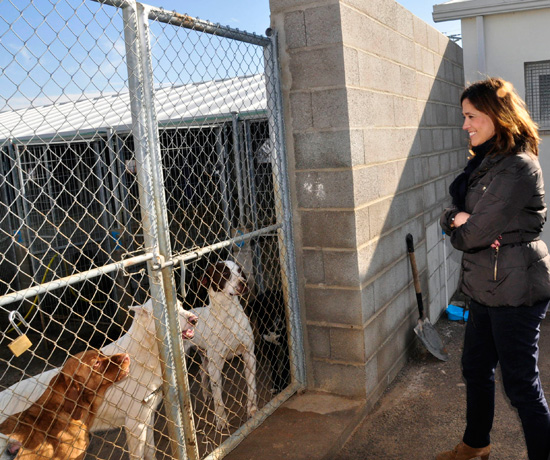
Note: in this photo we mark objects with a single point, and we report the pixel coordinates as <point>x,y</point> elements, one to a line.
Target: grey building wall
<point>373,136</point>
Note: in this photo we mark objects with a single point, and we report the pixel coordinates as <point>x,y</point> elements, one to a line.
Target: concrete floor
<point>420,414</point>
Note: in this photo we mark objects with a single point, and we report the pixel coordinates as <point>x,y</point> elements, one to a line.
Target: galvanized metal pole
<point>282,193</point>
<point>181,390</point>
<point>164,302</point>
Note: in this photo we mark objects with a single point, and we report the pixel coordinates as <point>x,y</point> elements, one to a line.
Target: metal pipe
<point>238,168</point>
<point>72,279</point>
<point>133,22</point>
<point>282,192</point>
<point>223,244</point>
<point>188,22</point>
<point>175,383</point>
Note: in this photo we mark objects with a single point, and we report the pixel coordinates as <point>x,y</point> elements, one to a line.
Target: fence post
<point>154,215</point>
<point>282,194</point>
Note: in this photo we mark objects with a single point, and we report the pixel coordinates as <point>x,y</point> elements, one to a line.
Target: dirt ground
<point>423,411</point>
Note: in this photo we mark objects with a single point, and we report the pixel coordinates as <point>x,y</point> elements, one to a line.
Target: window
<point>537,90</point>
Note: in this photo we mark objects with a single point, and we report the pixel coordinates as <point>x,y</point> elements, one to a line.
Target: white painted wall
<point>511,39</point>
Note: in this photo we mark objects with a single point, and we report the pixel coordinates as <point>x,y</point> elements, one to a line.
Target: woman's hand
<point>460,219</point>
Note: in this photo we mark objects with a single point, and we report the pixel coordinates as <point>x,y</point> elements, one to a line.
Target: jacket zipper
<point>496,264</point>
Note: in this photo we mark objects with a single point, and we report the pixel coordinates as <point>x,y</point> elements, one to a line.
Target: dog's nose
<point>193,320</point>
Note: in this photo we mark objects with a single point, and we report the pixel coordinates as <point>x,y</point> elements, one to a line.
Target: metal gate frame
<point>161,262</point>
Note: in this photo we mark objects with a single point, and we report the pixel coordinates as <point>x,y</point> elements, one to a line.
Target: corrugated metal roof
<point>181,103</point>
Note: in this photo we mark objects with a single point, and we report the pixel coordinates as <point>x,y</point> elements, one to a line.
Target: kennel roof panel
<point>84,117</point>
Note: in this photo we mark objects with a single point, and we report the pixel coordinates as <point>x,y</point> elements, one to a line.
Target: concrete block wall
<point>372,118</point>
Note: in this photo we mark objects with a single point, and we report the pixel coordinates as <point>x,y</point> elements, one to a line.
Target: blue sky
<point>51,50</point>
<point>253,15</point>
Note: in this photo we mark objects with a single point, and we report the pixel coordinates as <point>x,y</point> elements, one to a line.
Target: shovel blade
<point>430,338</point>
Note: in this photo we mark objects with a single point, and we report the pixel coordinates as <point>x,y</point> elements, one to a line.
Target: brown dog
<point>56,426</point>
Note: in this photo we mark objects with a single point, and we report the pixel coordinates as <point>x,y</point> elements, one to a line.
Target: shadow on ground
<point>421,413</point>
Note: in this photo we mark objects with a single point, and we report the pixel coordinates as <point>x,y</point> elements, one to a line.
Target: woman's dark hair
<point>515,130</point>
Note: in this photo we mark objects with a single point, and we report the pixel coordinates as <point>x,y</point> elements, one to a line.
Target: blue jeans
<point>509,336</point>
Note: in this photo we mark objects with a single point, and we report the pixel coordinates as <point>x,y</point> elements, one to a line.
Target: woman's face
<point>479,125</point>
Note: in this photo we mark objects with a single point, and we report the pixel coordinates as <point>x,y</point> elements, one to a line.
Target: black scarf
<point>459,186</point>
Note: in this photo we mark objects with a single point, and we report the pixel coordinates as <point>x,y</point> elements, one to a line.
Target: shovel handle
<point>416,280</point>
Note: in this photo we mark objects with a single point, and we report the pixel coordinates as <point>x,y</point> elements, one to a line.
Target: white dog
<point>130,403</point>
<point>224,331</point>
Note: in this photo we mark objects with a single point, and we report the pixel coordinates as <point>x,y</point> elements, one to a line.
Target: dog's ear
<point>216,277</point>
<point>206,279</point>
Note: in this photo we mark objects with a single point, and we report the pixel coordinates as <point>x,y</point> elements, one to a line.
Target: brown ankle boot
<point>465,452</point>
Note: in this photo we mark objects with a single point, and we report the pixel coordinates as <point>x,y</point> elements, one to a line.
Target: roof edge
<point>471,8</point>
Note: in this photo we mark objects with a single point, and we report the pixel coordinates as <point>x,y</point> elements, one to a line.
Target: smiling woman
<point>497,216</point>
<point>479,125</point>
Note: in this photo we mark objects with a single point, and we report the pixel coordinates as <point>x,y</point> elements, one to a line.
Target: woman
<point>497,216</point>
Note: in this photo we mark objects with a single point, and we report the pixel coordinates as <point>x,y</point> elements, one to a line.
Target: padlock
<point>22,343</point>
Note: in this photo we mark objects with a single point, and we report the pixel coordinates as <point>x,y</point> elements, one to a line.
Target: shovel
<point>424,329</point>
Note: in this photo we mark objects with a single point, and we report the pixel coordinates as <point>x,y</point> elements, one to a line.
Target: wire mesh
<point>83,262</point>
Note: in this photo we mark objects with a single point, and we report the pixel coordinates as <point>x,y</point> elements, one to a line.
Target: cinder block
<point>328,149</point>
<point>351,66</point>
<point>379,74</point>
<point>347,344</point>
<point>404,50</point>
<point>391,143</point>
<point>323,25</point>
<point>428,62</point>
<point>426,140</point>
<point>319,341</point>
<point>330,109</point>
<point>404,20</point>
<point>445,163</point>
<point>368,108</point>
<point>420,31</point>
<point>313,266</point>
<point>441,111</point>
<point>433,232</point>
<point>341,224</point>
<point>341,306</point>
<point>318,68</point>
<point>433,39</point>
<point>279,6</point>
<point>405,111</point>
<point>390,283</point>
<point>356,29</point>
<point>437,134</point>
<point>343,379</point>
<point>368,302</point>
<point>301,110</point>
<point>341,268</point>
<point>405,173</point>
<point>295,29</point>
<point>367,185</point>
<point>325,189</point>
<point>429,194</point>
<point>362,228</point>
<point>374,336</point>
<point>447,139</point>
<point>408,79</point>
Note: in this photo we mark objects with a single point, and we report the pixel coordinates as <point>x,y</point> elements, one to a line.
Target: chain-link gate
<point>144,186</point>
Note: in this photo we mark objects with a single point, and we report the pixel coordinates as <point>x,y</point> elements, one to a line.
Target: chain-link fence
<point>144,189</point>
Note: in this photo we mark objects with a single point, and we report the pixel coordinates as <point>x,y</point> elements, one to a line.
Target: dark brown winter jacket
<point>505,198</point>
